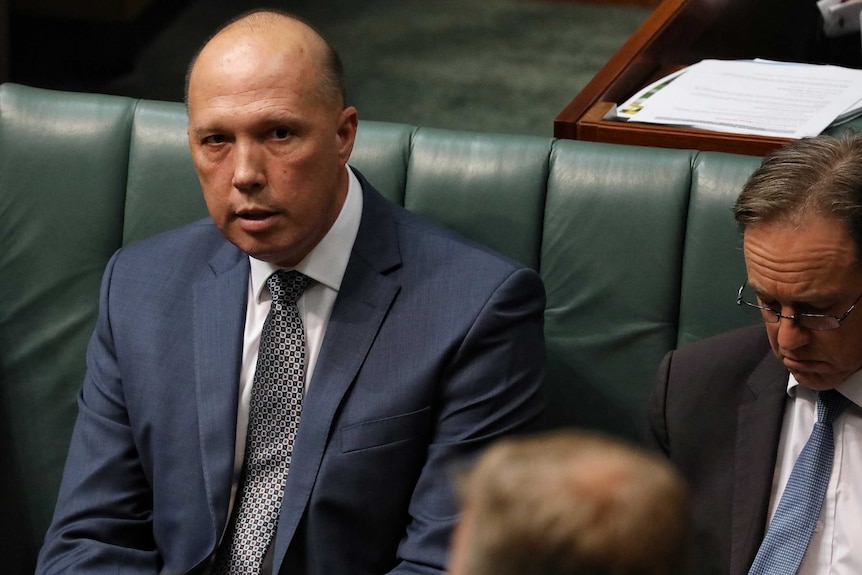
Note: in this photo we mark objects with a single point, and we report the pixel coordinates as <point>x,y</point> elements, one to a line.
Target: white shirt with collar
<point>325,264</point>
<point>836,545</point>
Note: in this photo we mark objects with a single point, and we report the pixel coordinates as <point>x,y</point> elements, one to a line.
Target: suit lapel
<point>366,295</point>
<point>219,319</point>
<point>758,431</point>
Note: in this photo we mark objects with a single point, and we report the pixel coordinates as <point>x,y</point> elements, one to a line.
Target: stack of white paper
<point>761,97</point>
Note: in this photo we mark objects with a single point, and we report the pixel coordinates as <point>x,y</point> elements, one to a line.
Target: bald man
<point>408,348</point>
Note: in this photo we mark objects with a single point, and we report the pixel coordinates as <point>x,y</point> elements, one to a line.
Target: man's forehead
<point>248,70</point>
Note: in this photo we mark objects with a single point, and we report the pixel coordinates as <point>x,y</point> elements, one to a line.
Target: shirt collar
<point>327,261</point>
<point>851,388</point>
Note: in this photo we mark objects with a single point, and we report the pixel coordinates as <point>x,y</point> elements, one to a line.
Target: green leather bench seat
<point>637,248</point>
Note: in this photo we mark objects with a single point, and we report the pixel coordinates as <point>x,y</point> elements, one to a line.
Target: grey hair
<point>812,176</point>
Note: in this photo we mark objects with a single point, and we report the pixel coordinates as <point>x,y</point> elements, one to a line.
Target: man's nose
<point>248,171</point>
<point>791,335</point>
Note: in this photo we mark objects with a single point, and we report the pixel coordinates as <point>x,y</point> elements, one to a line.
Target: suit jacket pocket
<point>385,431</point>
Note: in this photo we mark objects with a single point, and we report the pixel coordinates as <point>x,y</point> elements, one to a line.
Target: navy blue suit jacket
<point>716,412</point>
<point>434,348</point>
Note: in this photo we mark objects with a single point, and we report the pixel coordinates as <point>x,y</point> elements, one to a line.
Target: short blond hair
<point>566,503</point>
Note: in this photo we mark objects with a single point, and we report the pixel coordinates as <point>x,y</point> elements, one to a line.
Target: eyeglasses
<point>813,321</point>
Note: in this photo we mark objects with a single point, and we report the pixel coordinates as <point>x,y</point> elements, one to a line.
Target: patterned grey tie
<point>798,510</point>
<point>273,420</point>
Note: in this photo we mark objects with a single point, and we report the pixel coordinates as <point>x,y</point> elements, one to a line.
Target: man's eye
<point>214,139</point>
<point>815,310</point>
<point>281,133</point>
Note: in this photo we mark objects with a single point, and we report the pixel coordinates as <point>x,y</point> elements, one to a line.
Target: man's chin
<point>817,381</point>
<point>266,253</point>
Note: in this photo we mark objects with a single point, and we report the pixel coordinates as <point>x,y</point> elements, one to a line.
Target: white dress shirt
<point>325,264</point>
<point>835,545</point>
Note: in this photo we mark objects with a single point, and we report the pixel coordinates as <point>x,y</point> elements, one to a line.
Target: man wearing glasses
<point>765,422</point>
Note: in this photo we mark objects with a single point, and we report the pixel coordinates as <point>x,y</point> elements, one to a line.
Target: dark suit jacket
<point>434,347</point>
<point>716,411</point>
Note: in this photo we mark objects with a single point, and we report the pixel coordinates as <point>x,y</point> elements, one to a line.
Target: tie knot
<point>286,286</point>
<point>830,404</point>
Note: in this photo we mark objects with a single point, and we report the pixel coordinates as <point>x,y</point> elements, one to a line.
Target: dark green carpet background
<point>490,65</point>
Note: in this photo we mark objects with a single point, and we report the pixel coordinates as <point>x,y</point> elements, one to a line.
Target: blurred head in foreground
<point>566,503</point>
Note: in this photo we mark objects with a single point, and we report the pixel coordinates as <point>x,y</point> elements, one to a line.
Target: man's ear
<point>346,132</point>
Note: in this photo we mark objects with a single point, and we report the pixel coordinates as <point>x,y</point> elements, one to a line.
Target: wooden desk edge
<point>593,127</point>
<point>623,59</point>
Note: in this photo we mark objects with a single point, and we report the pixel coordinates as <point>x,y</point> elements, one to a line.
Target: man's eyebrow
<point>753,287</point>
<point>815,300</point>
<point>206,129</point>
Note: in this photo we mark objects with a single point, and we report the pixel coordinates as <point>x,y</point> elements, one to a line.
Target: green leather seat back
<point>62,180</point>
<point>611,254</point>
<point>381,153</point>
<point>713,266</point>
<point>163,190</point>
<point>484,186</point>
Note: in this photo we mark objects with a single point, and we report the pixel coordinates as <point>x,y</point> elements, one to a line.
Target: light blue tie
<point>799,509</point>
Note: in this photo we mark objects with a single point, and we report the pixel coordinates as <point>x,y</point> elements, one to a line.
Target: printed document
<point>761,97</point>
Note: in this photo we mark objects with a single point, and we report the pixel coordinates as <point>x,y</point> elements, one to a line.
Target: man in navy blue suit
<point>420,347</point>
